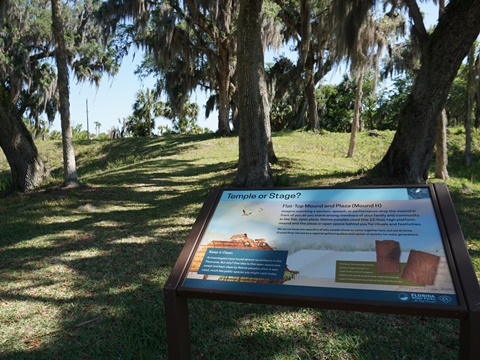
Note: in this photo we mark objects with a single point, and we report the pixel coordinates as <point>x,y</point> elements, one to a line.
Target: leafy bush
<point>5,184</point>
<point>55,135</point>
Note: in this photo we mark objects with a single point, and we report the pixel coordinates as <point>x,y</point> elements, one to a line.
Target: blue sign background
<point>263,264</point>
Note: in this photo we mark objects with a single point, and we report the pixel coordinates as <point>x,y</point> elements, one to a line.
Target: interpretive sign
<point>387,249</point>
<point>378,244</point>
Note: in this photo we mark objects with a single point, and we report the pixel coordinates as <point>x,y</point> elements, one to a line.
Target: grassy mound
<point>82,270</point>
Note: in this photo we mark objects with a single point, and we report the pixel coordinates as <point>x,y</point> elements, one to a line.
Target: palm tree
<point>145,109</point>
<point>69,166</point>
<point>97,127</point>
<point>253,110</point>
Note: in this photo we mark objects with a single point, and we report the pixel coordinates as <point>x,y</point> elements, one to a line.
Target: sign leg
<point>178,331</point>
<point>470,336</point>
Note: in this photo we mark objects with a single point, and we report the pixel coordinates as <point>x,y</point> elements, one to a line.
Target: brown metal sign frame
<point>459,262</point>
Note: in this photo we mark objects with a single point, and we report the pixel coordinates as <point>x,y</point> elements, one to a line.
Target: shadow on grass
<point>247,331</point>
<point>98,257</point>
<point>110,304</point>
<point>285,177</point>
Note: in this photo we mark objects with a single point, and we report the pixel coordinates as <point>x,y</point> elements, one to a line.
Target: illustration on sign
<point>242,259</point>
<point>382,244</point>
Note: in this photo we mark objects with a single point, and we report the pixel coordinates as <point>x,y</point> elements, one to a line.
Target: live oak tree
<point>362,55</point>
<point>192,44</point>
<point>16,65</point>
<point>305,23</point>
<point>375,32</point>
<point>406,56</point>
<point>40,99</point>
<point>27,168</point>
<point>354,28</point>
<point>27,50</point>
<point>253,109</point>
<point>408,157</point>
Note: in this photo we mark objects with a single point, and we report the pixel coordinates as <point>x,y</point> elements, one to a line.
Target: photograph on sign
<point>359,243</point>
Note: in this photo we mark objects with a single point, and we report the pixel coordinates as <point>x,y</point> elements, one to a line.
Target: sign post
<point>396,250</point>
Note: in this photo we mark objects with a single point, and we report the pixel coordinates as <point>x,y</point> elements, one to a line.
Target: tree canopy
<point>32,37</point>
<point>191,45</point>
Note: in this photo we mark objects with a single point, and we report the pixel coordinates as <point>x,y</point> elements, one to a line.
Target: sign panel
<point>356,243</point>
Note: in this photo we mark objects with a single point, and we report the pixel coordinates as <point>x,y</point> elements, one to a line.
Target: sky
<point>114,98</point>
<point>110,103</point>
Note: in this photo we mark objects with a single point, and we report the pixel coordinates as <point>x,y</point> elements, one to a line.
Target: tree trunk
<point>314,122</point>
<point>470,100</point>
<point>69,166</point>
<point>272,158</point>
<point>441,148</point>
<point>468,139</point>
<point>306,62</point>
<point>234,106</point>
<point>441,151</point>
<point>223,90</point>
<point>477,95</point>
<point>407,160</point>
<point>28,170</point>
<point>356,114</point>
<point>298,121</point>
<point>253,166</point>
<point>38,127</point>
<point>477,91</point>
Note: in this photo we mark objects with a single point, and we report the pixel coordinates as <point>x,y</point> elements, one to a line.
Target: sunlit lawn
<point>82,270</point>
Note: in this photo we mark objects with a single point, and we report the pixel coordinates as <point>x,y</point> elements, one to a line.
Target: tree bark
<point>298,121</point>
<point>314,123</point>
<point>223,90</point>
<point>477,91</point>
<point>356,114</point>
<point>253,165</point>
<point>69,165</point>
<point>306,62</point>
<point>441,153</point>
<point>28,170</point>
<point>471,74</point>
<point>408,158</point>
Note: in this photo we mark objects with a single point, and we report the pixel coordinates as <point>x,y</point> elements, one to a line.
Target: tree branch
<point>418,25</point>
<point>199,21</point>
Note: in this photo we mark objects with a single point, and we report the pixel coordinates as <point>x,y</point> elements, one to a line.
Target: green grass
<point>82,270</point>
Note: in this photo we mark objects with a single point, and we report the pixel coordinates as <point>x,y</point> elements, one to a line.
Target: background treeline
<point>191,46</point>
<point>197,46</point>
